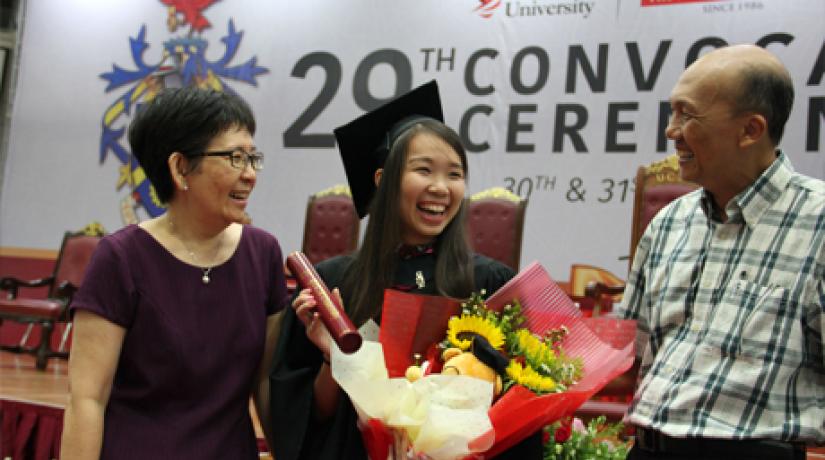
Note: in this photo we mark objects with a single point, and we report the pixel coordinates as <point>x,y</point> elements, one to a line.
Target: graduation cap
<point>488,355</point>
<point>365,142</point>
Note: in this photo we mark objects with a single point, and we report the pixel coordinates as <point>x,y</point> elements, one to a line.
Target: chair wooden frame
<point>583,276</point>
<point>75,250</point>
<point>478,221</point>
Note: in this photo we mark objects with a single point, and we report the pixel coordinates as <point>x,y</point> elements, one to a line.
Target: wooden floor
<point>21,381</point>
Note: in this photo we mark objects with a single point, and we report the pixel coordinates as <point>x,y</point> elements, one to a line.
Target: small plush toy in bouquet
<point>453,380</point>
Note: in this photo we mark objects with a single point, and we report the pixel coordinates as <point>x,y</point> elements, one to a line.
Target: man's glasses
<point>239,159</point>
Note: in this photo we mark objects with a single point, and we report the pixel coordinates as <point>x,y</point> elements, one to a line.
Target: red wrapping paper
<point>412,323</point>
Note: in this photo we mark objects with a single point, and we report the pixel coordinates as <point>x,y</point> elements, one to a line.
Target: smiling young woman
<point>432,188</point>
<point>408,171</point>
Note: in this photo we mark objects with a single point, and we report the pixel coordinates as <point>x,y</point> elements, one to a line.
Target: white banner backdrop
<point>558,100</point>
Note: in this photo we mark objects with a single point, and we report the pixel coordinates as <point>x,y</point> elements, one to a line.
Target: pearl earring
<point>185,187</point>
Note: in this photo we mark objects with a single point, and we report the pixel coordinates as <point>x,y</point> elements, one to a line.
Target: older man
<point>728,282</point>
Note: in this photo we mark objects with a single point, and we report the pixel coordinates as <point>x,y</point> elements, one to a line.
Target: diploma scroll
<point>333,316</point>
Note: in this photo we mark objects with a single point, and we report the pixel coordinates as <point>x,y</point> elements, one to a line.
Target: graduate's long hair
<point>373,269</point>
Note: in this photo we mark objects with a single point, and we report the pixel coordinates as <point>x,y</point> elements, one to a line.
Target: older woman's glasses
<point>239,159</point>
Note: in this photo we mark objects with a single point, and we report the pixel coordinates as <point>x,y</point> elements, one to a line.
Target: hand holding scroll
<point>328,307</point>
<point>306,310</point>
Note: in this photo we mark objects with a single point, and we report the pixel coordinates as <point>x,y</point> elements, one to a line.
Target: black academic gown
<point>297,361</point>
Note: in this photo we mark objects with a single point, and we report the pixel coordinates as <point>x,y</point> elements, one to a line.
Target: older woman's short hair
<point>182,120</point>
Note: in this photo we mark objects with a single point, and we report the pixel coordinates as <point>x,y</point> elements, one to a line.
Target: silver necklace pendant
<point>205,277</point>
<point>195,260</point>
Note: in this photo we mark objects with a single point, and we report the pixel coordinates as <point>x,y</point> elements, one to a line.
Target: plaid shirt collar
<point>749,204</point>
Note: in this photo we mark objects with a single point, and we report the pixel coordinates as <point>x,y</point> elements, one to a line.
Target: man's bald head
<point>753,80</point>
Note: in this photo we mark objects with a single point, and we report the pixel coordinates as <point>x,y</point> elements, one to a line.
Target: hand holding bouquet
<point>554,362</point>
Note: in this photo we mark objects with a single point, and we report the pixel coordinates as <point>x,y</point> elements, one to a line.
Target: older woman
<point>172,319</point>
<point>408,170</point>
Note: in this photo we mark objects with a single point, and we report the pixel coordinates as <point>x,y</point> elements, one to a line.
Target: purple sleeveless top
<point>186,369</point>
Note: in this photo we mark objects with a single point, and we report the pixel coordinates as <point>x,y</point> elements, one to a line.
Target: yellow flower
<point>461,330</point>
<point>528,377</point>
<point>538,363</point>
<point>533,348</point>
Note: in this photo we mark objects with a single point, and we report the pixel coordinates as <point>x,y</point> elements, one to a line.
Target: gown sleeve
<point>297,362</point>
<point>490,274</point>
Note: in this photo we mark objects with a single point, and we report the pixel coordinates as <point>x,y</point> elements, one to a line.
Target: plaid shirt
<point>730,315</point>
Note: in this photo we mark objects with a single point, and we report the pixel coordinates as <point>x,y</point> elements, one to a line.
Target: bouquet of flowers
<point>571,439</point>
<point>555,360</point>
<point>537,363</point>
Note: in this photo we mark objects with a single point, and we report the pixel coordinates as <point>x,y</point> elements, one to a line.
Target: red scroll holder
<point>329,308</point>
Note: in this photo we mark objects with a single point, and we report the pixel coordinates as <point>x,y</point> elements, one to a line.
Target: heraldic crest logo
<point>183,63</point>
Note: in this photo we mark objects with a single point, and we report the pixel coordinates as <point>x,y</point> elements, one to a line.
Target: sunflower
<point>460,331</point>
<point>528,377</point>
<point>533,348</point>
<point>542,357</point>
